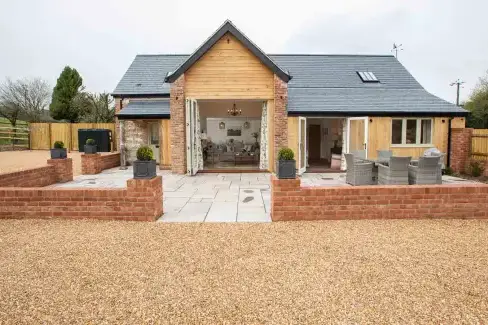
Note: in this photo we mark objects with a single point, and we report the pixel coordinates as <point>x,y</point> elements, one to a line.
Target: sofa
<point>226,151</point>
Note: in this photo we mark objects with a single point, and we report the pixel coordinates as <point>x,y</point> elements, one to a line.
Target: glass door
<point>154,140</point>
<point>357,134</point>
<point>302,144</point>
<point>189,137</point>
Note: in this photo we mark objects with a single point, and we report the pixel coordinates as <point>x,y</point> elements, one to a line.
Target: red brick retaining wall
<point>289,201</point>
<point>142,200</point>
<point>94,163</point>
<point>57,170</point>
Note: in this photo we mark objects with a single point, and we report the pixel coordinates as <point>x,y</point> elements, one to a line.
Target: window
<point>367,76</point>
<point>411,131</point>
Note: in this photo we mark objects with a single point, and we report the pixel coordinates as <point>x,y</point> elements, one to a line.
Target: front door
<point>357,133</point>
<point>302,140</point>
<point>314,142</point>
<point>154,140</point>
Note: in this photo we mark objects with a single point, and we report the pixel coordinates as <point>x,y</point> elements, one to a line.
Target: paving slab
<point>222,212</point>
<point>252,214</point>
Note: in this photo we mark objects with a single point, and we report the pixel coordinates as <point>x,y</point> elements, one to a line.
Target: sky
<point>442,40</point>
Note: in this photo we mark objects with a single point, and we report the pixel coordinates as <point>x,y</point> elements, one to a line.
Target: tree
<point>68,86</point>
<point>96,108</point>
<point>478,105</point>
<point>25,98</point>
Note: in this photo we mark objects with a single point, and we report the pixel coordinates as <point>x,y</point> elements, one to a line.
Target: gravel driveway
<point>378,271</point>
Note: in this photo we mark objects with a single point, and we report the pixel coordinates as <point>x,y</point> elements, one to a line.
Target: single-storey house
<point>231,106</point>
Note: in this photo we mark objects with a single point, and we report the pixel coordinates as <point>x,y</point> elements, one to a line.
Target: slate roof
<point>320,84</point>
<point>145,109</point>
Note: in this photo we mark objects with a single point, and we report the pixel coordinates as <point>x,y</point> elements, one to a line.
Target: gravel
<point>12,161</point>
<point>375,271</point>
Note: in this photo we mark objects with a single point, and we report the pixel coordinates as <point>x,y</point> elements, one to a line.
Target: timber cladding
<point>229,71</point>
<point>379,137</point>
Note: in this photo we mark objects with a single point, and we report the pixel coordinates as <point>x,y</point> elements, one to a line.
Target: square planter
<point>144,169</point>
<point>90,149</point>
<point>285,169</point>
<point>57,153</point>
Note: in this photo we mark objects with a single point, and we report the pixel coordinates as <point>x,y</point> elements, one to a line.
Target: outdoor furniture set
<point>391,170</point>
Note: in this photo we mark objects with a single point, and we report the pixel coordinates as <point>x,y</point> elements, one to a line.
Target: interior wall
<point>219,136</point>
<point>250,109</point>
<point>328,128</point>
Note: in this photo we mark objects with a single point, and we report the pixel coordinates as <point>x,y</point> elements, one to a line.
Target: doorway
<point>324,144</point>
<point>154,141</point>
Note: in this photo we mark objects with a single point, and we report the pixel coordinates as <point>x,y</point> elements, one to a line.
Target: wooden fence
<point>479,144</point>
<point>13,138</point>
<point>43,135</point>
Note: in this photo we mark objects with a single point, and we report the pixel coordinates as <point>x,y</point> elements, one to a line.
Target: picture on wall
<point>233,132</point>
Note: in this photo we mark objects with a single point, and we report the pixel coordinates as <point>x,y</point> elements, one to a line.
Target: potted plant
<point>255,135</point>
<point>285,165</point>
<point>90,146</point>
<point>145,165</point>
<point>59,151</point>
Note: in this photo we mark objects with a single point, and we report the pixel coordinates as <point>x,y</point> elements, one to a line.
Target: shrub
<point>286,154</point>
<point>90,142</point>
<point>59,145</point>
<point>475,168</point>
<point>448,171</point>
<point>144,153</point>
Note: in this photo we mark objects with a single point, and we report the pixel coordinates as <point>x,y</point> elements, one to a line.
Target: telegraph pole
<point>396,48</point>
<point>458,84</point>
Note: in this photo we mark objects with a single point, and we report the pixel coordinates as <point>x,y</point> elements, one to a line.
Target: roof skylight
<point>367,76</point>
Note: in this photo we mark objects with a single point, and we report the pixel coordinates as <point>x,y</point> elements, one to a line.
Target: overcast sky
<point>443,39</point>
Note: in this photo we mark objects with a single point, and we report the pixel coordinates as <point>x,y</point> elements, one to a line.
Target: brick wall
<point>95,163</point>
<point>35,177</point>
<point>280,115</point>
<point>460,148</point>
<point>142,200</point>
<point>290,201</point>
<point>56,171</point>
<point>178,130</point>
<point>135,135</point>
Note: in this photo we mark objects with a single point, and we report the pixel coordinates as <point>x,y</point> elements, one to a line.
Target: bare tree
<point>96,108</point>
<point>24,98</point>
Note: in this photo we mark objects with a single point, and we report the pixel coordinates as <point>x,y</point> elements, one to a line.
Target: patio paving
<point>227,197</point>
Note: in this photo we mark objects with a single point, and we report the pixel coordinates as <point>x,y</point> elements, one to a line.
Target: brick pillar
<point>460,148</point>
<point>63,169</point>
<point>91,164</point>
<point>280,115</point>
<point>282,190</point>
<point>148,194</point>
<point>116,135</point>
<point>178,130</point>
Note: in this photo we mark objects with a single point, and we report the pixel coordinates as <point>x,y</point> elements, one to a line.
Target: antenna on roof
<point>458,84</point>
<point>396,48</point>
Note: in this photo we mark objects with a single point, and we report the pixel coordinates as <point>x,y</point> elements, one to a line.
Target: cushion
<point>230,148</point>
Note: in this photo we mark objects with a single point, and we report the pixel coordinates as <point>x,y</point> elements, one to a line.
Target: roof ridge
<point>324,54</point>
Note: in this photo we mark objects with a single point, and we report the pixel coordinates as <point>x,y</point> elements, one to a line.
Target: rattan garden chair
<point>396,173</point>
<point>358,172</point>
<point>426,172</point>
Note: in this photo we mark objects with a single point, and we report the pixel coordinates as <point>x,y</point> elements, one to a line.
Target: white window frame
<point>418,135</point>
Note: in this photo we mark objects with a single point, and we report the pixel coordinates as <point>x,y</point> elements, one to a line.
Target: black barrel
<point>102,137</point>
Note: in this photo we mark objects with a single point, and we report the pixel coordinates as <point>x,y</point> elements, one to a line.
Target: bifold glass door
<point>302,145</point>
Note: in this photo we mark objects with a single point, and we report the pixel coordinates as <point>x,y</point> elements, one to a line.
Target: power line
<point>396,48</point>
<point>458,84</point>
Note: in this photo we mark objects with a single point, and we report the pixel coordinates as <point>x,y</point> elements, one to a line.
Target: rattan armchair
<point>426,172</point>
<point>396,173</point>
<point>358,172</point>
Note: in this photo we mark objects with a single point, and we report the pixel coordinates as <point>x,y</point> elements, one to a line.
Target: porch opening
<point>231,134</point>
<point>324,144</point>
